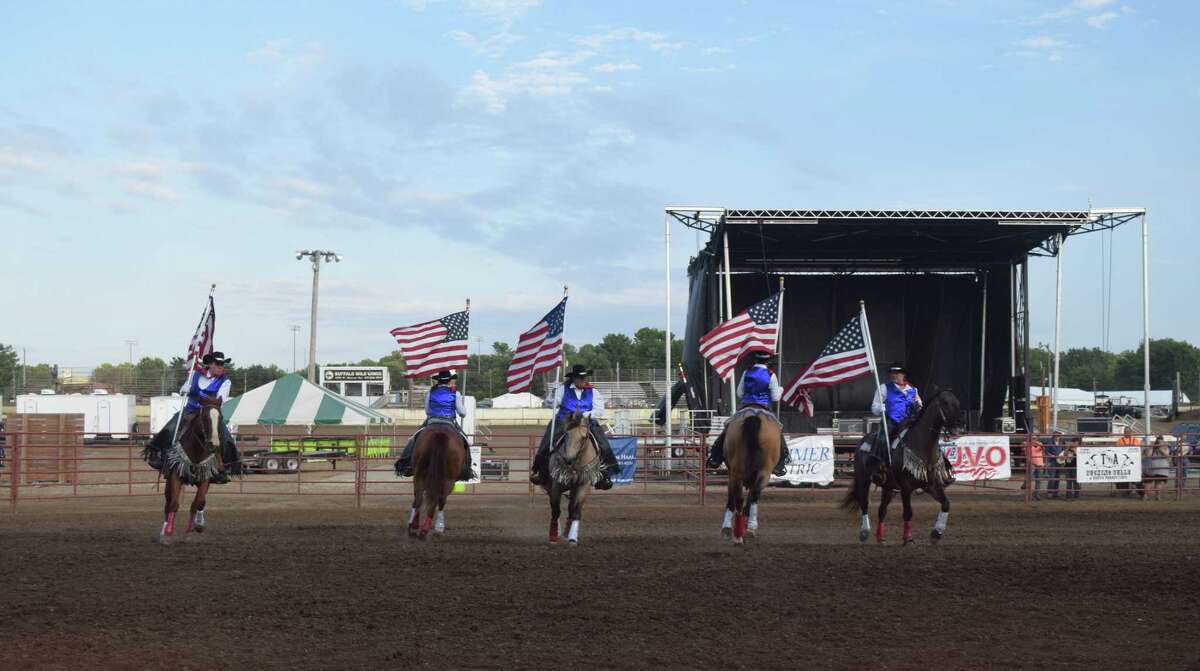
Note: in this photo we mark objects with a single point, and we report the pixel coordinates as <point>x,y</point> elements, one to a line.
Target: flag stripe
<point>755,329</point>
<point>538,349</point>
<point>434,345</point>
<point>844,358</point>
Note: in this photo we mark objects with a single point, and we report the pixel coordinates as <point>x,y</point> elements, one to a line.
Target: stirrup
<point>604,482</point>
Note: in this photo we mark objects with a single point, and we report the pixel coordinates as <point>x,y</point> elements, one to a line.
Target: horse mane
<point>922,424</point>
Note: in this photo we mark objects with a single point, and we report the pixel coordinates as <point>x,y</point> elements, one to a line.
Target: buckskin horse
<point>194,459</point>
<point>435,468</point>
<point>916,464</point>
<point>751,450</point>
<point>575,466</point>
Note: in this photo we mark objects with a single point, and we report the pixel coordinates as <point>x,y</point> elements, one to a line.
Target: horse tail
<point>752,459</point>
<point>850,500</point>
<point>435,464</point>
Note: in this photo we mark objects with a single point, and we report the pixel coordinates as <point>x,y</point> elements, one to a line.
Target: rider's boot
<point>784,456</point>
<point>468,473</point>
<point>716,455</point>
<point>610,467</point>
<point>404,466</point>
<point>539,470</point>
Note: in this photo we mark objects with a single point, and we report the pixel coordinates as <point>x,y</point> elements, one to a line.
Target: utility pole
<point>294,329</point>
<point>317,256</point>
<point>131,344</point>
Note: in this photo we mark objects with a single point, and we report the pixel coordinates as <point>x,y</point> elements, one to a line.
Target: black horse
<point>916,463</point>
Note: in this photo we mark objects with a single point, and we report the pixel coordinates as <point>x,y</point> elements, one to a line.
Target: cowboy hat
<point>444,376</point>
<point>217,358</point>
<point>579,371</point>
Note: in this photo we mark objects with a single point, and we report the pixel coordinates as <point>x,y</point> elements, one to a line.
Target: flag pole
<point>862,306</point>
<point>779,350</point>
<point>192,366</point>
<point>728,316</point>
<point>557,375</point>
<point>463,391</point>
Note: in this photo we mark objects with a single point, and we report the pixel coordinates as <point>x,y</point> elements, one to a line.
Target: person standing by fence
<point>1125,440</point>
<point>1051,452</point>
<point>1070,468</point>
<point>1156,468</point>
<point>1037,466</point>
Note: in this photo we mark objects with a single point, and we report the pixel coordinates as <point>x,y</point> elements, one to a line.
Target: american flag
<point>538,349</point>
<point>432,346</point>
<point>844,358</point>
<point>202,339</point>
<point>755,329</point>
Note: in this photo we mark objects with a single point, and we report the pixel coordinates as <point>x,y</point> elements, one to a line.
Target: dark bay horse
<point>574,467</point>
<point>194,459</point>
<point>917,464</point>
<point>751,450</point>
<point>437,460</point>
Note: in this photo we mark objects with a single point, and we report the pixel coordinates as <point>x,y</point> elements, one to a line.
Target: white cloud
<point>712,69</point>
<point>494,94</point>
<point>616,67</point>
<point>1102,20</point>
<point>494,45</point>
<point>283,52</point>
<point>1075,8</point>
<point>1043,43</point>
<point>500,10</point>
<point>601,40</point>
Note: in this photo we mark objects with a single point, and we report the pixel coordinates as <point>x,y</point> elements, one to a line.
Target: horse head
<point>577,437</point>
<point>950,417</point>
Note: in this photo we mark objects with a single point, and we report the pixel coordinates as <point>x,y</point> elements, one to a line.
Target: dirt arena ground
<point>1103,583</point>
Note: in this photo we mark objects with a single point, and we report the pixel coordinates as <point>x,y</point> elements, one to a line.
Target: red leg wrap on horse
<point>879,531</point>
<point>170,524</point>
<point>739,525</point>
<point>191,523</point>
<point>427,524</point>
<point>908,530</point>
<point>553,530</point>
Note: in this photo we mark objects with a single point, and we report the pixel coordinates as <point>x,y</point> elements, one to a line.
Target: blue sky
<point>499,149</point>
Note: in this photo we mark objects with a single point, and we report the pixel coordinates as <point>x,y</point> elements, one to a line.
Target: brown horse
<point>194,459</point>
<point>436,463</point>
<point>574,468</point>
<point>751,450</point>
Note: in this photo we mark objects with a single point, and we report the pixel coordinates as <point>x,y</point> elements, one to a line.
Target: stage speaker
<point>1020,403</point>
<point>1094,424</point>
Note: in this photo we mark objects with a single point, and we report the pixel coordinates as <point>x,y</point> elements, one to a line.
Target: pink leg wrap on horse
<point>739,525</point>
<point>908,530</point>
<point>427,524</point>
<point>191,523</point>
<point>879,532</point>
<point>170,524</point>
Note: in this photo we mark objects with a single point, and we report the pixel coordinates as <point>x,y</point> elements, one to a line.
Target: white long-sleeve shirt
<point>597,411</point>
<point>203,382</point>
<point>776,389</point>
<point>458,405</point>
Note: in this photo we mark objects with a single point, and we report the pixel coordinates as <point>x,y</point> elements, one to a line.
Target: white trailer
<point>104,415</point>
<point>162,408</point>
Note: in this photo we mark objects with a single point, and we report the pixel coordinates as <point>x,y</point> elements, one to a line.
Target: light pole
<point>317,256</point>
<point>131,344</point>
<point>294,329</point>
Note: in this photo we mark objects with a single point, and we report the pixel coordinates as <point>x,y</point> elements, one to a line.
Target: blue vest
<point>196,392</point>
<point>441,402</point>
<point>756,386</point>
<point>896,402</point>
<point>572,404</point>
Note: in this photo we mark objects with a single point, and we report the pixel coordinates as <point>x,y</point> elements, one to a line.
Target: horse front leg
<point>906,499</point>
<point>555,495</point>
<point>174,490</point>
<point>885,497</point>
<point>196,518</point>
<point>575,513</point>
<point>939,527</point>
<point>739,518</point>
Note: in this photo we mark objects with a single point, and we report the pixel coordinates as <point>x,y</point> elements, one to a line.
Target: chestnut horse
<point>194,459</point>
<point>751,450</point>
<point>436,464</point>
<point>574,468</point>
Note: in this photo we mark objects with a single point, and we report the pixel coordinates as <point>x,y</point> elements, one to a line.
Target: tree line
<point>1083,367</point>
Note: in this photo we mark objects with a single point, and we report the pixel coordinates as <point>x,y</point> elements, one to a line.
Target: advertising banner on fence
<point>812,460</point>
<point>981,457</point>
<point>1112,463</point>
<point>625,449</point>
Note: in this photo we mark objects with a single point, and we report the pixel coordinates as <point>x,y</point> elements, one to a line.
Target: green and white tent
<point>294,400</point>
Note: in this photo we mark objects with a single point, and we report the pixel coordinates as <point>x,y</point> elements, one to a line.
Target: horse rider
<point>443,405</point>
<point>757,390</point>
<point>208,384</point>
<point>897,402</point>
<point>576,395</point>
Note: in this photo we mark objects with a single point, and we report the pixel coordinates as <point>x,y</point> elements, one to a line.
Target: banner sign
<point>352,374</point>
<point>811,460</point>
<point>625,449</point>
<point>1112,463</point>
<point>979,457</point>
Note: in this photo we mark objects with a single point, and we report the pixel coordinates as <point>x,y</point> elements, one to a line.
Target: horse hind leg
<point>906,499</point>
<point>174,490</point>
<point>414,513</point>
<point>555,495</point>
<point>885,498</point>
<point>730,506</point>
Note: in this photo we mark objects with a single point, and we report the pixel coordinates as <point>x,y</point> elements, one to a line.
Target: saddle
<point>754,409</point>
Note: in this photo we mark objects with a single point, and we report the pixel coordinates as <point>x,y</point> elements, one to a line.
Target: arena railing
<point>48,467</point>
